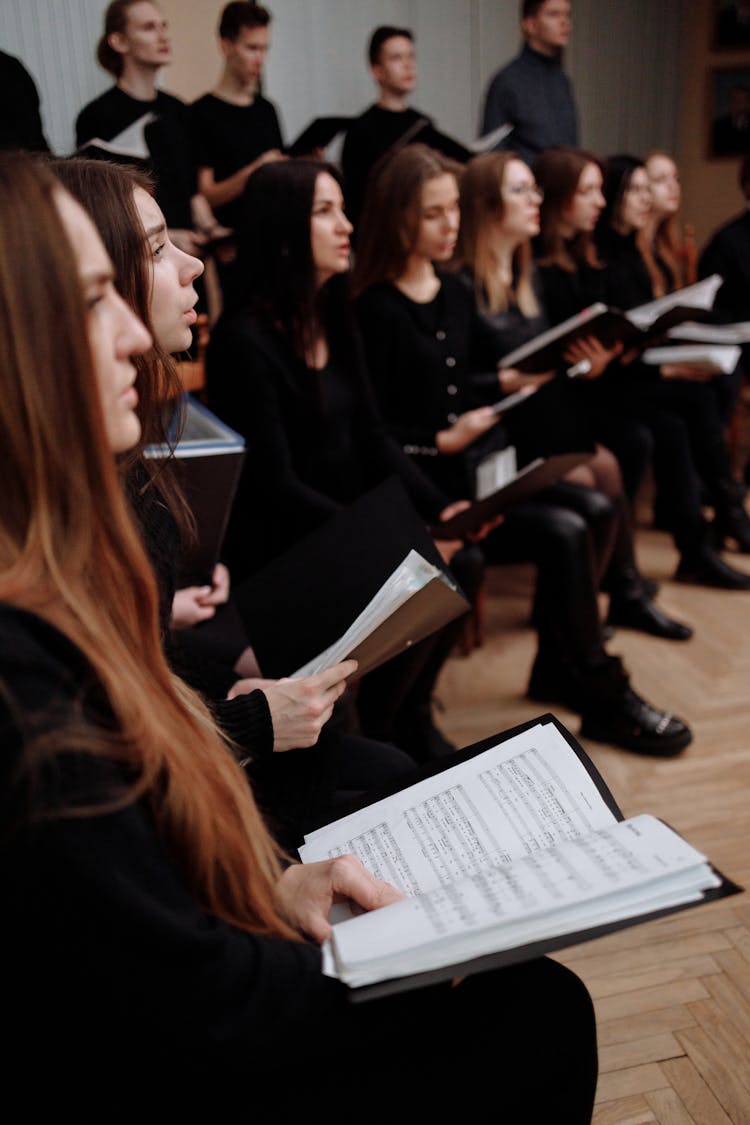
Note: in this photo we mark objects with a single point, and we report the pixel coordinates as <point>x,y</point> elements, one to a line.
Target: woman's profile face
<point>438,221</point>
<point>115,334</point>
<point>172,299</point>
<point>665,185</point>
<point>635,205</point>
<point>330,230</point>
<point>521,197</point>
<point>583,209</point>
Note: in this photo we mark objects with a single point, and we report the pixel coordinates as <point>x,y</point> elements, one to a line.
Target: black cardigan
<point>429,363</point>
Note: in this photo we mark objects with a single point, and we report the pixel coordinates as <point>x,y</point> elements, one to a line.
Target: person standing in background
<point>533,93</point>
<point>234,128</point>
<point>393,65</point>
<point>134,47</point>
<point>21,124</point>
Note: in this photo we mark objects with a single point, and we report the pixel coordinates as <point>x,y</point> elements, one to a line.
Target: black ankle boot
<point>644,616</point>
<point>616,714</point>
<point>731,523</point>
<point>704,567</point>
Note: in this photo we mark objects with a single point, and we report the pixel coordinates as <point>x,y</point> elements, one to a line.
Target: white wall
<point>624,60</point>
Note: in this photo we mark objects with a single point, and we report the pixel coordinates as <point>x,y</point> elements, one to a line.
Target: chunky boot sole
<point>637,739</point>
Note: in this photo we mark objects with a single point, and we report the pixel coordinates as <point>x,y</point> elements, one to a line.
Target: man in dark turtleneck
<point>533,93</point>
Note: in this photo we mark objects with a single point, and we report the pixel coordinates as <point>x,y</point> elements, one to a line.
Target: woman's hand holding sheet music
<point>511,380</point>
<point>695,372</point>
<point>448,547</point>
<point>299,708</point>
<point>305,892</point>
<point>593,351</point>
<point>467,427</point>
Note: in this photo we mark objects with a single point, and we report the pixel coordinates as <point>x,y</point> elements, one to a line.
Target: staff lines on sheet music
<point>528,783</point>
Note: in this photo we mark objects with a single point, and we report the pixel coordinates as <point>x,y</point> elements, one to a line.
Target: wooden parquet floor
<point>672,997</point>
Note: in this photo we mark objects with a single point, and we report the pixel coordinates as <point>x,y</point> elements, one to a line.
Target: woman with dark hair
<point>161,951</point>
<point>571,279</point>
<point>499,217</point>
<point>302,771</point>
<point>674,401</point>
<point>285,369</point>
<point>425,340</point>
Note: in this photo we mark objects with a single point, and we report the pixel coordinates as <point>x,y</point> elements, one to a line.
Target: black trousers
<point>393,696</point>
<point>508,1046</point>
<point>571,547</point>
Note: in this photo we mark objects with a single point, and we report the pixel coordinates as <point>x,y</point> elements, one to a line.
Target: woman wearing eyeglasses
<point>500,214</point>
<point>424,340</point>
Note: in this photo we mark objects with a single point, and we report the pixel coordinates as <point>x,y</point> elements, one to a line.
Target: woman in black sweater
<point>675,402</point>
<point>499,216</point>
<point>285,369</point>
<point>304,769</point>
<point>424,339</point>
<point>159,953</point>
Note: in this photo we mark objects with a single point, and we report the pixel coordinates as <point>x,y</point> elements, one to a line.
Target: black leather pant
<point>388,696</point>
<point>568,532</point>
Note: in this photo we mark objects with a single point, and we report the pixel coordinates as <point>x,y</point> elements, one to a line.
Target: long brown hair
<point>70,553</point>
<point>106,191</point>
<point>482,205</point>
<point>666,241</point>
<point>389,222</point>
<point>558,172</point>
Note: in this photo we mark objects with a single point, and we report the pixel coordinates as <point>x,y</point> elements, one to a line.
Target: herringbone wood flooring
<point>672,997</point>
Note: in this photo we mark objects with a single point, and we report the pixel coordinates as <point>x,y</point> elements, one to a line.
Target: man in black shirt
<point>235,130</point>
<point>533,93</point>
<point>389,120</point>
<point>21,122</point>
<point>134,47</point>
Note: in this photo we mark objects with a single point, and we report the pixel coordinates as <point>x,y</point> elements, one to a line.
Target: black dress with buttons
<point>418,355</point>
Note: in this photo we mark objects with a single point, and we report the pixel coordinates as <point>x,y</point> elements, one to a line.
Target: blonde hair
<point>482,205</point>
<point>70,553</point>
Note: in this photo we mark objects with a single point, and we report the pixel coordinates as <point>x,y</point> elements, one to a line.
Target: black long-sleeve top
<point>429,362</point>
<point>245,719</point>
<point>108,957</point>
<point>566,292</point>
<point>548,421</point>
<point>315,438</point>
<point>534,95</point>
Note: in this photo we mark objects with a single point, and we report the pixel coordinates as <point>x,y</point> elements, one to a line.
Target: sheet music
<point>523,795</point>
<point>130,142</point>
<point>412,575</point>
<point>489,140</point>
<point>536,895</point>
<point>719,357</point>
<point>699,296</point>
<point>737,333</point>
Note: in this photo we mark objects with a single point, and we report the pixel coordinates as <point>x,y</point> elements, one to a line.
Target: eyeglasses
<point>528,191</point>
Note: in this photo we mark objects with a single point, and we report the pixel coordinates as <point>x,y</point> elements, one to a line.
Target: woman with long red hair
<point>158,950</point>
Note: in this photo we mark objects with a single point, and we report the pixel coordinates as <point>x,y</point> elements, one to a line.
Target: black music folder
<point>507,850</point>
<point>305,600</point>
<point>208,459</point>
